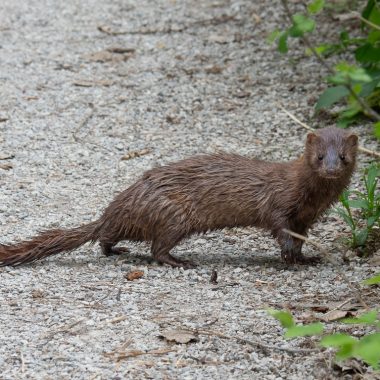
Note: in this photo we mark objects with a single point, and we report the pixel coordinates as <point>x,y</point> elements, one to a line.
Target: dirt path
<point>92,94</point>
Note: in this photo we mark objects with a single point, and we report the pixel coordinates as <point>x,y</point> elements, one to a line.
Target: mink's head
<point>331,152</point>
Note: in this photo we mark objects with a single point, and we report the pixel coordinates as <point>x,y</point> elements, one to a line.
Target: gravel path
<point>92,94</point>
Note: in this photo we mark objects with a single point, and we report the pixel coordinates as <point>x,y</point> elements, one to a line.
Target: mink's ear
<point>352,140</point>
<point>311,138</point>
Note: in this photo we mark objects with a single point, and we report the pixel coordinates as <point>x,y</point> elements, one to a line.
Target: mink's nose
<point>330,171</point>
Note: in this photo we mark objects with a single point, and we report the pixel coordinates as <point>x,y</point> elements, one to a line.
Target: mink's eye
<point>342,157</point>
<point>320,157</point>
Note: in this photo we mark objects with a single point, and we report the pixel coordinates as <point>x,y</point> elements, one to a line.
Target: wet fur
<point>210,192</point>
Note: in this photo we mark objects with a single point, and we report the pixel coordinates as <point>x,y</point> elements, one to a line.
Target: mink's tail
<point>47,243</point>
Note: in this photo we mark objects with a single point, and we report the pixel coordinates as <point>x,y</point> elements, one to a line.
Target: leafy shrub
<point>367,205</point>
<point>357,82</point>
<point>366,348</point>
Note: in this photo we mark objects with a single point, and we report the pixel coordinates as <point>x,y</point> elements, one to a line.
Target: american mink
<point>209,192</point>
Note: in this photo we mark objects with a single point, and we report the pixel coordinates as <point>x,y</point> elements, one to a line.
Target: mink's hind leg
<point>109,249</point>
<point>160,252</point>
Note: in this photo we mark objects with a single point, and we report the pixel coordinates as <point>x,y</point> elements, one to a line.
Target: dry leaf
<point>6,166</point>
<point>2,119</point>
<point>114,55</point>
<point>214,277</point>
<point>38,293</point>
<point>350,366</point>
<point>173,119</point>
<point>320,308</point>
<point>120,50</point>
<point>6,156</point>
<point>219,39</point>
<point>215,69</point>
<point>117,319</point>
<point>335,315</point>
<point>134,275</point>
<point>135,154</point>
<point>242,94</point>
<point>178,336</point>
<point>90,83</point>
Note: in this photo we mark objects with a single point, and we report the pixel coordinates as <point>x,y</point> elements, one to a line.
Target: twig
<point>66,328</point>
<point>84,122</point>
<point>366,108</point>
<point>22,362</point>
<point>298,121</point>
<point>254,343</point>
<point>361,148</point>
<point>342,304</point>
<point>369,23</point>
<point>355,289</point>
<point>134,353</point>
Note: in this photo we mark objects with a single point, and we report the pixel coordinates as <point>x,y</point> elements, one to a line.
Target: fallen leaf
<point>215,69</point>
<point>172,119</point>
<point>38,293</point>
<point>350,366</point>
<point>6,156</point>
<point>320,308</point>
<point>135,154</point>
<point>219,39</point>
<point>134,275</point>
<point>120,50</point>
<point>214,277</point>
<point>117,319</point>
<point>6,166</point>
<point>2,119</point>
<point>101,56</point>
<point>335,315</point>
<point>242,94</point>
<point>178,336</point>
<point>90,83</point>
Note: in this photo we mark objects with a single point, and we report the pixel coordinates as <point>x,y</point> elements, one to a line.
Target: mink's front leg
<point>291,247</point>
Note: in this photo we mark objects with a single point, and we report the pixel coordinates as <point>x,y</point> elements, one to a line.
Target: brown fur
<point>210,192</point>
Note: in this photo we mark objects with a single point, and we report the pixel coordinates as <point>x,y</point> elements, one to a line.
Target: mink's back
<point>200,193</point>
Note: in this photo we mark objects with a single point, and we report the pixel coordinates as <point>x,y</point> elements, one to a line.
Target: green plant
<point>367,348</point>
<point>367,203</point>
<point>357,82</point>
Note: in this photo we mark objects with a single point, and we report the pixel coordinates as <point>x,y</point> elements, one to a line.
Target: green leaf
<point>304,330</point>
<point>344,122</point>
<point>368,318</point>
<point>373,37</point>
<point>284,317</point>
<point>344,198</point>
<point>368,349</point>
<point>346,73</point>
<point>273,36</point>
<point>361,237</point>
<point>374,16</point>
<point>372,220</point>
<point>346,218</point>
<point>283,42</point>
<point>359,75</point>
<point>301,25</point>
<point>316,6</point>
<point>373,280</point>
<point>330,96</point>
<point>337,340</point>
<point>376,129</point>
<point>358,203</point>
<point>368,9</point>
<point>367,53</point>
<point>371,176</point>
